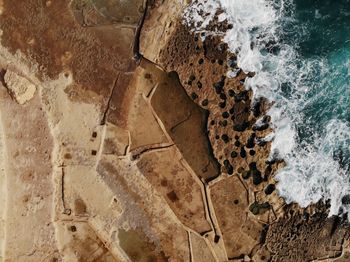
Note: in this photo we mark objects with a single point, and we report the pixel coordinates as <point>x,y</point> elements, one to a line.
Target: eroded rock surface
<point>105,158</point>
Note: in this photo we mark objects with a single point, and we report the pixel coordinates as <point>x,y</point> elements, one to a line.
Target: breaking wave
<point>300,52</point>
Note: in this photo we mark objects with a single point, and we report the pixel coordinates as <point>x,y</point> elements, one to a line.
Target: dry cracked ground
<point>122,140</point>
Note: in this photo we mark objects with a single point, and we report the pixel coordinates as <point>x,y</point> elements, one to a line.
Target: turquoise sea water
<point>325,36</point>
<point>319,164</point>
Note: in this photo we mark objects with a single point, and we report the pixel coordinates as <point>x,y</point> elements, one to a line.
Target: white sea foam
<point>311,173</point>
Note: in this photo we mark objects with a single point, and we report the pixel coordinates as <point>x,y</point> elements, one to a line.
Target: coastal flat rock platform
<point>108,158</point>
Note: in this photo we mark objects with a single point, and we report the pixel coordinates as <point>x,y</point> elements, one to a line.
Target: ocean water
<point>300,52</point>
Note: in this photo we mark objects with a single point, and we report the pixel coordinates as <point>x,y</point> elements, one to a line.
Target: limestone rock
<point>20,88</point>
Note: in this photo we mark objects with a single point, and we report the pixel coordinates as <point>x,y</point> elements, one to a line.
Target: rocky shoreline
<point>160,159</point>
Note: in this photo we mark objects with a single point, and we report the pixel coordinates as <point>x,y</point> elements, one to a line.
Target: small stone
<point>269,189</point>
<point>345,200</point>
<point>268,170</point>
<point>192,78</point>
<point>212,122</point>
<point>220,62</point>
<point>194,96</point>
<point>225,138</point>
<point>222,104</point>
<point>238,71</point>
<point>252,152</point>
<point>266,119</point>
<point>199,85</point>
<point>261,142</point>
<point>257,179</point>
<point>252,166</point>
<point>245,174</point>
<point>225,115</point>
<point>237,143</point>
<point>229,169</point>
<point>252,45</point>
<point>223,123</point>
<point>243,153</point>
<point>201,61</point>
<point>254,208</point>
<point>242,96</point>
<point>251,74</point>
<point>241,127</point>
<point>251,141</point>
<point>219,86</point>
<point>223,96</point>
<point>231,93</point>
<point>222,47</point>
<point>261,127</point>
<point>271,161</point>
<point>256,108</point>
<point>205,102</point>
<point>232,62</point>
<point>234,154</point>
